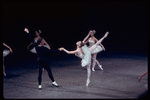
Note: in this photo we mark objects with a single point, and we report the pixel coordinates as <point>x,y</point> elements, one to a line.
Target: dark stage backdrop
<point>65,23</point>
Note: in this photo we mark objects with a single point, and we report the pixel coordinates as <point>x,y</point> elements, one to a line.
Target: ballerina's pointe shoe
<point>106,34</point>
<point>87,82</point>
<point>93,70</point>
<point>100,66</point>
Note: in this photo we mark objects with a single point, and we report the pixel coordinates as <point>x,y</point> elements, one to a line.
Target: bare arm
<point>95,39</point>
<point>46,44</point>
<point>27,31</point>
<point>84,41</point>
<point>142,75</point>
<point>8,47</point>
<point>29,45</point>
<point>68,52</point>
<point>100,43</point>
<point>102,46</point>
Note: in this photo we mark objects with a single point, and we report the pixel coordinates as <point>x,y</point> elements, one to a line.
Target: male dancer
<point>41,59</point>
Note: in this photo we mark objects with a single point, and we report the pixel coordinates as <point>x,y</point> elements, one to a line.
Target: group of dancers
<point>86,53</point>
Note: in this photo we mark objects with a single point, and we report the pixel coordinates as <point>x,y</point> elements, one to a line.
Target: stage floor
<point>118,80</point>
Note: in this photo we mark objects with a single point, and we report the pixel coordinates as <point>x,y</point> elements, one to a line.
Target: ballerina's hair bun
<point>40,31</point>
<point>94,31</point>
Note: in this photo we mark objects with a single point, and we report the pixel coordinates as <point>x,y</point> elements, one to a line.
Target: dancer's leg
<point>100,66</point>
<point>47,67</point>
<point>98,42</point>
<point>88,73</point>
<point>94,61</point>
<point>4,71</point>
<point>40,74</point>
<point>4,68</point>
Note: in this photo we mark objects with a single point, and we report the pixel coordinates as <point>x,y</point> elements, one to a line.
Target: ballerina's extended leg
<point>98,42</point>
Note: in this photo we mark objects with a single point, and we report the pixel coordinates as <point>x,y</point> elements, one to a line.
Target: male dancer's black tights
<point>44,63</point>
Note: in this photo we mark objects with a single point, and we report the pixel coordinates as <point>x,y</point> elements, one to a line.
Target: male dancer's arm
<point>50,50</point>
<point>26,30</point>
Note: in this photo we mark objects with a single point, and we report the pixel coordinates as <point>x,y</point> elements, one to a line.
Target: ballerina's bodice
<point>35,40</point>
<point>80,55</point>
<point>91,42</point>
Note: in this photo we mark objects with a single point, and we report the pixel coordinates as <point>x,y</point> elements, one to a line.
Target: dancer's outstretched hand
<point>104,49</point>
<point>60,48</point>
<point>26,30</point>
<point>11,50</point>
<point>139,79</point>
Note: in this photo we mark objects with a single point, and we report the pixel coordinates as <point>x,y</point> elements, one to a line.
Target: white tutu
<point>6,52</point>
<point>33,50</point>
<point>97,49</point>
<point>87,56</point>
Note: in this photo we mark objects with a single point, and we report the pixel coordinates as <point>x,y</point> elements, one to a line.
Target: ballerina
<point>41,59</point>
<point>5,53</point>
<point>92,40</point>
<point>84,53</point>
<point>35,41</point>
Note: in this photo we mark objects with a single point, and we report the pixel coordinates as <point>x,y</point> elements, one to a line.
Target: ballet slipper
<point>87,82</point>
<point>93,70</point>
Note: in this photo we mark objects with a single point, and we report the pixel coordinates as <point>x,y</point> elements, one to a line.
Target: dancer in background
<point>5,53</point>
<point>41,59</point>
<point>35,41</point>
<point>84,53</point>
<point>92,40</point>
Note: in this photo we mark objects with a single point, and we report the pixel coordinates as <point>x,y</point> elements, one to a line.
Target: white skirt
<point>87,56</point>
<point>33,50</point>
<point>5,52</point>
<point>97,49</point>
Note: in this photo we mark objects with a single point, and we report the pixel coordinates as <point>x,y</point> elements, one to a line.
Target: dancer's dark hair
<point>82,44</point>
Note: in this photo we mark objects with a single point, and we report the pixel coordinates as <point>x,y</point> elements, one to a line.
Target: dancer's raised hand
<point>26,30</point>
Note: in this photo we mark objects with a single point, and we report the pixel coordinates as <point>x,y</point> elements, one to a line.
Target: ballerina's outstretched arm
<point>68,52</point>
<point>98,42</point>
<point>84,41</point>
<point>8,47</point>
